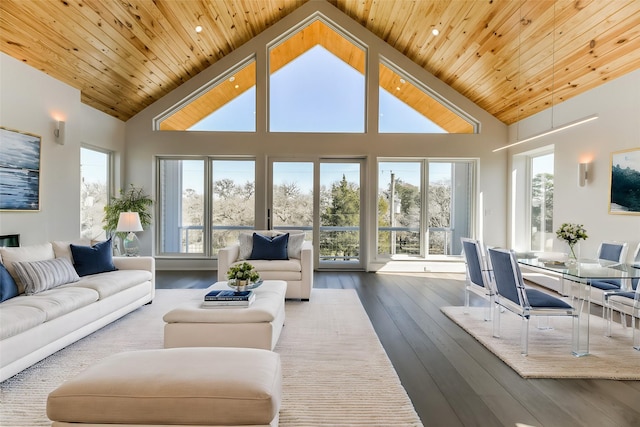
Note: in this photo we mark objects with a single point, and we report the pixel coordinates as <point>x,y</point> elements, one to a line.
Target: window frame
<point>110,193</point>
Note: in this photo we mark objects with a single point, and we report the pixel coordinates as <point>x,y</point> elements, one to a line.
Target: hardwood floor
<point>452,379</point>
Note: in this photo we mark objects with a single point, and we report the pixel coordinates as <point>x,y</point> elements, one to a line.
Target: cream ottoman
<point>181,386</point>
<point>256,326</point>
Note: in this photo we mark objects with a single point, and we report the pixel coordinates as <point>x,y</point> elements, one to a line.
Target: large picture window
<point>95,189</point>
<point>203,203</point>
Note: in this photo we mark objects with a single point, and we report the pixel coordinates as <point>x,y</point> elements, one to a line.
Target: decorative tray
<point>232,284</point>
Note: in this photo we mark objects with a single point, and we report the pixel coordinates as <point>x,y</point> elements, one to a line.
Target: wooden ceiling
<point>513,58</point>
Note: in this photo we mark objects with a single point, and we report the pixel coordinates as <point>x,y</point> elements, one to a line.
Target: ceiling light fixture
<point>198,29</point>
<point>551,131</point>
<point>435,32</point>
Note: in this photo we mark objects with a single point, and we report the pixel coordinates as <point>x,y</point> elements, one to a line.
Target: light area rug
<point>550,349</point>
<point>335,371</point>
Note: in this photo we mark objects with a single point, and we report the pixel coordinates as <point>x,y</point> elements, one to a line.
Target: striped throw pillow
<point>38,276</point>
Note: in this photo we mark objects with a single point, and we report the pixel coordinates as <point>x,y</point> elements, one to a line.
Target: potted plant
<point>133,200</point>
<point>241,275</point>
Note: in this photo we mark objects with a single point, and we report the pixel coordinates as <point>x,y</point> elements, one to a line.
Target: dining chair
<point>625,302</point>
<point>610,251</point>
<point>512,294</point>
<point>478,280</point>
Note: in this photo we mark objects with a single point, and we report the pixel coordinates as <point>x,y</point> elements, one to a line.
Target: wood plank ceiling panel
<point>511,57</point>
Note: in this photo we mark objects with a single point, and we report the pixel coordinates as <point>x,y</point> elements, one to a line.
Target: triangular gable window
<point>406,107</point>
<point>317,82</point>
<point>229,104</point>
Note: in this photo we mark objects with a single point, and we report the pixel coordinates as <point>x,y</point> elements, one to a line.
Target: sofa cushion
<point>275,265</point>
<point>107,284</point>
<point>93,259</point>
<point>270,248</point>
<point>17,318</point>
<point>59,301</point>
<point>8,287</point>
<point>38,276</point>
<point>25,253</point>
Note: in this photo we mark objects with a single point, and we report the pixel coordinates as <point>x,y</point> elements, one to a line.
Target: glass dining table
<point>579,275</point>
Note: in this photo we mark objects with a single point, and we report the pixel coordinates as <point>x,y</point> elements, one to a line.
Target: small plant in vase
<point>242,275</point>
<point>572,234</point>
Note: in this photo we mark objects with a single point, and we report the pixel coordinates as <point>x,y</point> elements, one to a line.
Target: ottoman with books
<point>257,326</point>
<point>181,386</point>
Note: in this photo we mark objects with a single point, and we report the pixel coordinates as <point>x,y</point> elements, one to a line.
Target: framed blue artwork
<point>624,196</point>
<point>19,171</point>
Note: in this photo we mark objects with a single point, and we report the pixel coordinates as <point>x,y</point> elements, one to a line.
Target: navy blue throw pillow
<point>270,248</point>
<point>93,259</point>
<point>8,287</point>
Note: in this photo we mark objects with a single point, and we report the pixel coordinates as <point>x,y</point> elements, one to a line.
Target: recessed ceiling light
<point>435,32</point>
<point>403,81</point>
<point>237,86</point>
<point>232,78</point>
<point>198,29</point>
<point>398,88</point>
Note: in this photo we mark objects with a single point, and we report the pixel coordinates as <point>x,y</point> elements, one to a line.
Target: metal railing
<point>406,239</point>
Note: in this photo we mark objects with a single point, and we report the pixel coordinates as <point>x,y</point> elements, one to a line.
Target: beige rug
<point>336,372</point>
<point>550,350</point>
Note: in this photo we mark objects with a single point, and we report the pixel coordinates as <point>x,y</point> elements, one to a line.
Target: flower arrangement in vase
<point>572,234</point>
<point>242,275</point>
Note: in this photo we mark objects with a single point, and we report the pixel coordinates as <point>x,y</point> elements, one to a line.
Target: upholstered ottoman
<point>181,386</point>
<point>256,326</point>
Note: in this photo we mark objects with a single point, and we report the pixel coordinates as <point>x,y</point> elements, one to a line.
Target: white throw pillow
<point>295,245</point>
<point>25,253</point>
<point>246,245</point>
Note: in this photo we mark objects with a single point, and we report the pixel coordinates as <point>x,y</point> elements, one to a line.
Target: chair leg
<point>488,312</point>
<point>635,324</point>
<point>609,311</point>
<point>544,322</point>
<point>466,300</point>
<point>524,337</point>
<point>496,321</point>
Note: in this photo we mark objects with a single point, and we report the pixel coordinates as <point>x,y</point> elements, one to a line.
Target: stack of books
<point>228,299</point>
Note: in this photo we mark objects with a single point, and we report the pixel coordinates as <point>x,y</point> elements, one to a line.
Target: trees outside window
<point>95,179</point>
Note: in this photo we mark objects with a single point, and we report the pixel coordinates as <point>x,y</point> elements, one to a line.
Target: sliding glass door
<point>322,197</point>
<point>424,207</point>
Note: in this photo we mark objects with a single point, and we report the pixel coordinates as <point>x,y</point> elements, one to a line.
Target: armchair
<point>297,271</point>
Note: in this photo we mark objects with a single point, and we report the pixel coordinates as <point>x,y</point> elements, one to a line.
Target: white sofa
<point>33,327</point>
<point>297,271</point>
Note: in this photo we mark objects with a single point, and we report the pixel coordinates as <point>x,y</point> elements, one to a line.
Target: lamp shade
<point>128,222</point>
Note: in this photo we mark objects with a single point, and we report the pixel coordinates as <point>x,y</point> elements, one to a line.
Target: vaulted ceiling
<point>513,58</point>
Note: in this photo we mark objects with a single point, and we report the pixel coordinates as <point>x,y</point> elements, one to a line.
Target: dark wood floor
<point>451,378</point>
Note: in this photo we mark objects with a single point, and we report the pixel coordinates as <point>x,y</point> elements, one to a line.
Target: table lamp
<point>129,222</point>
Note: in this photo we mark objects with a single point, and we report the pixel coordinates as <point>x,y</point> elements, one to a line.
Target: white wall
<point>30,102</point>
<point>617,104</point>
<point>143,144</point>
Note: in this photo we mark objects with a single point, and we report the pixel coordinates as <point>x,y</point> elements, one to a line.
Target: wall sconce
<point>583,174</point>
<point>59,133</point>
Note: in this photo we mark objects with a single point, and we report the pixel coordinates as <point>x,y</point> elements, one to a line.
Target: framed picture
<point>624,197</point>
<point>19,171</point>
